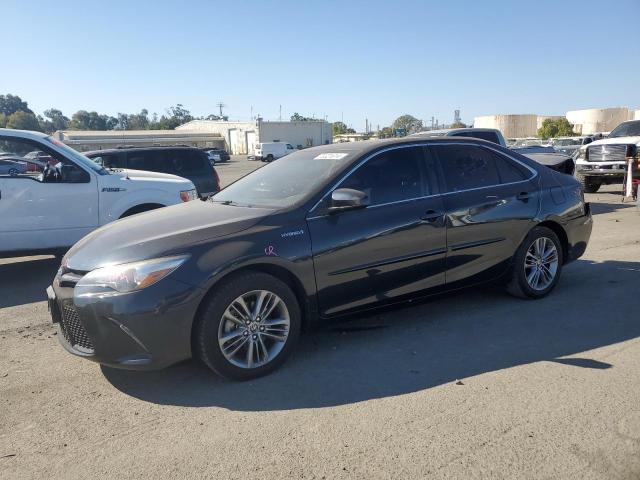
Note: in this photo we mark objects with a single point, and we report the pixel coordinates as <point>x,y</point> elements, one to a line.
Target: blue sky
<point>356,60</point>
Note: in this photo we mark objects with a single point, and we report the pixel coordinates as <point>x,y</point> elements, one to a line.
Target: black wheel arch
<point>143,207</point>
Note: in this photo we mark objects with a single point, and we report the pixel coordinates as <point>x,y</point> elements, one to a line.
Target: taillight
<point>217,179</point>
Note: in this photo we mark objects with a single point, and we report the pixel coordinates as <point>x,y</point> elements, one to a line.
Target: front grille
<point>607,153</point>
<point>72,329</point>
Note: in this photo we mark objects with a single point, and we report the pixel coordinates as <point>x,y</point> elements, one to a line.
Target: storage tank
<point>595,120</point>
<point>511,125</point>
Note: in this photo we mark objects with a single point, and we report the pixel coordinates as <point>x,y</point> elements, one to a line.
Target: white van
<point>269,151</point>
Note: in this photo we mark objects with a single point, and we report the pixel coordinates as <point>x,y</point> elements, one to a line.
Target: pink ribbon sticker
<point>270,251</point>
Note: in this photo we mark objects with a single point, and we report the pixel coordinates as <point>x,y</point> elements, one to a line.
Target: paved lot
<point>238,166</point>
<point>473,385</point>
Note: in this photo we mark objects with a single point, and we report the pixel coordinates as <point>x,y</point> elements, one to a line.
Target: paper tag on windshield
<point>331,156</point>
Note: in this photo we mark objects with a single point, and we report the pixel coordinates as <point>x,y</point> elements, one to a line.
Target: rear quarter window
<point>185,162</point>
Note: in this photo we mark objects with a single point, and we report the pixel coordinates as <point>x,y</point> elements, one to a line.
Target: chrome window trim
<point>421,144</point>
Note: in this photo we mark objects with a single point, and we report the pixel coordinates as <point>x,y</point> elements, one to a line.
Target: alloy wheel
<point>541,263</point>
<point>254,329</point>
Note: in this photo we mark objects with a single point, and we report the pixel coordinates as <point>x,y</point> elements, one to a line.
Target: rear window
<point>176,162</point>
<point>489,136</point>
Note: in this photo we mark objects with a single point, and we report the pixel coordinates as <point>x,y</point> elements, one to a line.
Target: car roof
<point>137,149</point>
<point>367,146</point>
<point>10,132</point>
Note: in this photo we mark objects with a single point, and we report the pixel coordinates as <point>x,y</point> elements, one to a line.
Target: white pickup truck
<point>56,202</point>
<point>606,161</point>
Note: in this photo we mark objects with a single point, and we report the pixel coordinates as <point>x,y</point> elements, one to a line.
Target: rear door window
<point>145,160</point>
<point>184,162</point>
<point>467,167</point>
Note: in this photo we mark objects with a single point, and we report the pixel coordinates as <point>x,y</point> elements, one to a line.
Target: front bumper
<point>604,169</point>
<point>144,330</point>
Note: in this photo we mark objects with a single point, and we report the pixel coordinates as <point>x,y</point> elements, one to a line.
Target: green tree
<point>386,132</point>
<point>12,103</point>
<point>53,120</point>
<point>296,117</point>
<point>457,125</point>
<point>555,128</point>
<point>339,128</point>
<point>83,120</point>
<point>3,120</point>
<point>23,121</point>
<point>410,123</point>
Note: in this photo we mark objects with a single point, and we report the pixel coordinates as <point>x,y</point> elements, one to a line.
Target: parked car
<point>488,134</point>
<point>72,195</point>
<point>187,162</point>
<point>551,159</point>
<point>568,145</point>
<point>217,155</point>
<point>605,161</point>
<point>234,280</point>
<point>12,167</point>
<point>270,151</point>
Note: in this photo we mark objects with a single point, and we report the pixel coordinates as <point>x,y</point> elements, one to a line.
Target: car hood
<point>616,141</point>
<point>130,174</point>
<point>161,232</point>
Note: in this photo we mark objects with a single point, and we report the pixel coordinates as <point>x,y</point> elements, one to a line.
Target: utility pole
<point>251,116</point>
<point>280,114</point>
<point>220,105</point>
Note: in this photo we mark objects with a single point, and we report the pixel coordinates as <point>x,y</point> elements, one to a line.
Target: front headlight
<point>188,195</point>
<point>129,277</point>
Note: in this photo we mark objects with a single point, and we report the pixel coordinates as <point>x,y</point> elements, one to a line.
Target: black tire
<point>269,158</point>
<point>518,285</point>
<point>589,184</point>
<point>13,172</point>
<point>207,325</point>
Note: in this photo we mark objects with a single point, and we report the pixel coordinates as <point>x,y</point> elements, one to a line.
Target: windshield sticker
<point>270,251</point>
<point>331,156</point>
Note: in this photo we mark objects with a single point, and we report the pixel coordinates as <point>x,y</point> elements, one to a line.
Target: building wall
<point>303,134</point>
<point>511,126</point>
<point>594,120</point>
<point>636,115</point>
<point>235,134</point>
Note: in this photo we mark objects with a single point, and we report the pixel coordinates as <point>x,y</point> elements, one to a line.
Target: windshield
<point>566,142</point>
<point>287,181</point>
<point>627,129</point>
<point>78,157</point>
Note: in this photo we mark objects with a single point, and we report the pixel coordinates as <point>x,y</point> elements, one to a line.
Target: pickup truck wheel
<point>537,264</point>
<point>589,184</point>
<point>248,327</point>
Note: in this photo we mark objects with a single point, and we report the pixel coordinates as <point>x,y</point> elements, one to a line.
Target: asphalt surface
<point>472,385</point>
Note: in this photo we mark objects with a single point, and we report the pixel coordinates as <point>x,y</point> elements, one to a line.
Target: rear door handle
<point>523,196</point>
<point>431,216</point>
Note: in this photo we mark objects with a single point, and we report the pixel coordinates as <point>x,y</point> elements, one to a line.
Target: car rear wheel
<point>589,184</point>
<point>13,172</point>
<point>248,327</point>
<point>269,158</point>
<point>537,264</point>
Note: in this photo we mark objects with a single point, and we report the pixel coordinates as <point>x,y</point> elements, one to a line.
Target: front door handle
<point>523,196</point>
<point>431,216</point>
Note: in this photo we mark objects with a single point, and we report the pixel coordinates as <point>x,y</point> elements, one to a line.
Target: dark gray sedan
<point>321,233</point>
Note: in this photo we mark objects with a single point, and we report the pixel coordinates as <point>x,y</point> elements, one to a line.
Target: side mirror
<point>347,199</point>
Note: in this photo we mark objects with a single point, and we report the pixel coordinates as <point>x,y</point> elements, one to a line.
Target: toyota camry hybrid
<point>322,232</point>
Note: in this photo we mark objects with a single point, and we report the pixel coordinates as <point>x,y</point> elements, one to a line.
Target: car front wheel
<point>248,327</point>
<point>536,265</point>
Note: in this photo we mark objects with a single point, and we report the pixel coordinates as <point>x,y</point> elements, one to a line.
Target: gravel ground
<point>471,385</point>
